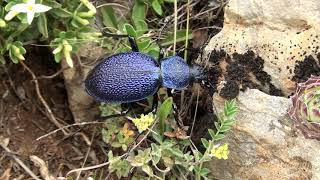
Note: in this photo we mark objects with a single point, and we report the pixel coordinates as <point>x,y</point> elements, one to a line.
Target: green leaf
<point>144,44</point>
<point>20,29</point>
<point>57,57</point>
<point>116,144</point>
<point>60,12</point>
<point>217,125</point>
<point>157,137</point>
<point>51,3</point>
<point>13,58</point>
<point>109,18</point>
<point>138,12</point>
<point>105,136</point>
<point>230,108</point>
<point>42,25</point>
<point>130,30</point>
<point>212,133</point>
<point>153,50</point>
<point>224,129</point>
<point>141,27</point>
<point>156,6</point>
<point>163,113</point>
<point>204,172</point>
<point>205,142</point>
<point>181,37</point>
<point>176,152</point>
<point>228,122</point>
<point>156,153</point>
<point>147,169</point>
<point>218,137</point>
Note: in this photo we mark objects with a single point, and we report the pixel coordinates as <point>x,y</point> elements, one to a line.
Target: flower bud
<point>58,49</point>
<point>10,15</point>
<point>81,20</point>
<point>2,23</point>
<point>68,58</point>
<point>88,14</point>
<point>89,6</point>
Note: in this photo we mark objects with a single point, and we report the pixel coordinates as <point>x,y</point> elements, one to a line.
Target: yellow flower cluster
<point>220,152</point>
<point>126,131</point>
<point>143,122</point>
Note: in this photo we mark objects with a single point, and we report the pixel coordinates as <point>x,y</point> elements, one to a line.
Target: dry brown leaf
<point>6,174</point>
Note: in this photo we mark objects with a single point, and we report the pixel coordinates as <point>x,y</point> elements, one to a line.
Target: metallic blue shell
<point>175,73</point>
<point>124,77</point>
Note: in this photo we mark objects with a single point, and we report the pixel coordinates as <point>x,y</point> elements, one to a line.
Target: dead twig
<point>44,103</point>
<point>87,154</point>
<point>44,171</point>
<point>3,144</point>
<point>71,125</point>
<point>53,75</point>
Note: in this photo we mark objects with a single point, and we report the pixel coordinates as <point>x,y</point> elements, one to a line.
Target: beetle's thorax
<point>174,73</point>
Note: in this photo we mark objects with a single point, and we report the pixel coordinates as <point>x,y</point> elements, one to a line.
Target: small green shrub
<point>162,156</point>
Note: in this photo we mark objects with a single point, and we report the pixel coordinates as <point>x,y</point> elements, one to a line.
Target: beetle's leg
<point>133,44</point>
<point>174,107</point>
<point>108,34</point>
<point>132,41</point>
<point>155,102</point>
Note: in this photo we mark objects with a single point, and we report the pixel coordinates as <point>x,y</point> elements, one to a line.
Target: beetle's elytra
<point>132,76</point>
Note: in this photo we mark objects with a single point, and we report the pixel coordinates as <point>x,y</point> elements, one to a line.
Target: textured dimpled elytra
<point>124,77</point>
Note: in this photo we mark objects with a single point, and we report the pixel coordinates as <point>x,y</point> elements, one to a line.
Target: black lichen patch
<point>214,71</point>
<point>238,73</point>
<point>230,90</point>
<point>217,56</point>
<point>304,69</point>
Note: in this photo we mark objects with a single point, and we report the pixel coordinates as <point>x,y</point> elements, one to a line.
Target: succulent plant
<point>305,109</point>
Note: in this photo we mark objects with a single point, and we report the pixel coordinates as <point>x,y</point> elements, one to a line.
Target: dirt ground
<point>23,120</point>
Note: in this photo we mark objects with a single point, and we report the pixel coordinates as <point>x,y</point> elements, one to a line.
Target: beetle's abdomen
<point>124,77</point>
<point>175,73</point>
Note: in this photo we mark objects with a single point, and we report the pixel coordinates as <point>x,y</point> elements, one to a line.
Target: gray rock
<point>264,144</point>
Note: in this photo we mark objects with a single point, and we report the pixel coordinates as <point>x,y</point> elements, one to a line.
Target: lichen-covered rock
<point>269,45</point>
<point>264,144</point>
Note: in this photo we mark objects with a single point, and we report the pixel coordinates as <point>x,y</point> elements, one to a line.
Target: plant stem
<point>175,25</point>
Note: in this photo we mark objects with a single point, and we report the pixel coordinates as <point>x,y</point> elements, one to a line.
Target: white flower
<point>30,8</point>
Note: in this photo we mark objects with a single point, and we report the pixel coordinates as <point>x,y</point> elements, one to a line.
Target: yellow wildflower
<point>143,122</point>
<point>126,131</point>
<point>221,151</point>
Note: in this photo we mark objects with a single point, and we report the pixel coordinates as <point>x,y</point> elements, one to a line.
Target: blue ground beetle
<point>133,76</point>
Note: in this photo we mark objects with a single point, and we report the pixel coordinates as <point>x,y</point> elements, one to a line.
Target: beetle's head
<point>197,73</point>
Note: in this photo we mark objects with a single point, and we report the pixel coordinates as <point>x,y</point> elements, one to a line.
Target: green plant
<point>145,34</point>
<point>26,21</point>
<point>165,156</point>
